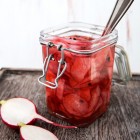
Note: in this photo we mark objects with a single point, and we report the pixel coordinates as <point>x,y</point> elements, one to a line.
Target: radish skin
<point>16,110</point>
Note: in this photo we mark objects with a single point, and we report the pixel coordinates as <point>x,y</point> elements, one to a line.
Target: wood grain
<point>120,122</point>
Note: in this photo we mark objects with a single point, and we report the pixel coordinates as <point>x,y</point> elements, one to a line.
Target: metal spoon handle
<point>119,11</point>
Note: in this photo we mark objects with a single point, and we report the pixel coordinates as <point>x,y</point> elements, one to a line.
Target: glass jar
<point>78,69</point>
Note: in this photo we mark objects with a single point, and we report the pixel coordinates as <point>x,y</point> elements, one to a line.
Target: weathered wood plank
<point>129,101</point>
<point>120,122</point>
<point>112,125</point>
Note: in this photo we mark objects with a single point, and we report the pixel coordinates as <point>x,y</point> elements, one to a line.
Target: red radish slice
<point>99,104</point>
<point>75,105</point>
<point>95,95</point>
<point>100,58</point>
<point>29,132</point>
<point>50,76</point>
<point>95,102</point>
<point>72,83</point>
<point>110,58</point>
<point>85,94</point>
<point>60,89</point>
<point>17,110</point>
<point>80,67</point>
<point>53,66</point>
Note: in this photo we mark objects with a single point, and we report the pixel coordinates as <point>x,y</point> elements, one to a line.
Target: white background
<point>22,20</point>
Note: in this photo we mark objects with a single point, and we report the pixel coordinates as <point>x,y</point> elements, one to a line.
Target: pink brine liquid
<point>83,91</point>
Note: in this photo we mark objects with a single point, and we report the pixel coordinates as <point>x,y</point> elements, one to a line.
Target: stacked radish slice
<point>19,112</point>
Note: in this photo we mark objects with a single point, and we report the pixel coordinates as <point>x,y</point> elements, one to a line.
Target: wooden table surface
<point>120,122</point>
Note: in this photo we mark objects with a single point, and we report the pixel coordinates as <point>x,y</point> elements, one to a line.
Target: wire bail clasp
<point>47,60</point>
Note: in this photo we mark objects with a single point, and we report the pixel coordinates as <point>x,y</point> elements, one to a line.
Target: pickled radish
<point>80,38</point>
<point>95,77</point>
<point>110,58</point>
<point>73,83</point>
<point>76,42</point>
<point>67,89</point>
<point>85,94</point>
<point>75,105</point>
<point>63,111</point>
<point>80,67</point>
<point>60,89</point>
<point>105,95</point>
<point>53,66</point>
<point>70,61</point>
<point>100,58</point>
<point>90,80</point>
<point>105,78</point>
<point>50,76</point>
<point>99,104</point>
<point>95,95</point>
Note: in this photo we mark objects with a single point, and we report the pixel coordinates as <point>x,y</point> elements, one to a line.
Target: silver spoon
<point>119,11</point>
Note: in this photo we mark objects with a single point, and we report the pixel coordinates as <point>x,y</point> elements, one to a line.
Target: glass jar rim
<point>109,39</point>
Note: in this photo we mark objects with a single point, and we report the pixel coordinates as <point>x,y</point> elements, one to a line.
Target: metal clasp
<point>46,65</point>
